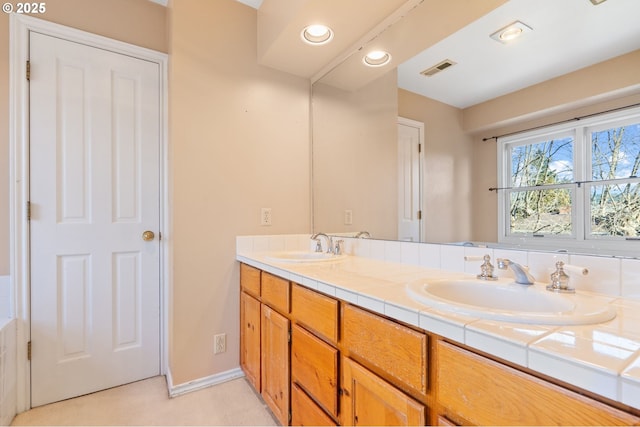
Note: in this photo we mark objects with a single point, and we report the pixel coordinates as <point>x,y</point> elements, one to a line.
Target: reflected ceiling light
<point>317,34</point>
<point>377,58</point>
<point>510,32</point>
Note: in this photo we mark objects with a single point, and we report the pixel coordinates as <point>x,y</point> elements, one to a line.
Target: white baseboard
<point>188,387</point>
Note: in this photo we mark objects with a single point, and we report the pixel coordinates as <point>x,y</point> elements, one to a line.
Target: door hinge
<point>289,417</point>
<point>159,235</point>
<point>419,148</point>
<point>28,211</point>
<point>29,350</point>
<point>289,336</point>
<point>28,70</point>
<point>419,214</point>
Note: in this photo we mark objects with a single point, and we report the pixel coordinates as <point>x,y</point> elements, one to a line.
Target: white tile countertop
<point>602,358</point>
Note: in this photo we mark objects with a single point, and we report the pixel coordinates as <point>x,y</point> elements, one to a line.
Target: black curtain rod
<point>562,121</point>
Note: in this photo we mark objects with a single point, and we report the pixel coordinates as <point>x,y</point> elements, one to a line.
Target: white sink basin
<point>507,301</point>
<point>303,256</point>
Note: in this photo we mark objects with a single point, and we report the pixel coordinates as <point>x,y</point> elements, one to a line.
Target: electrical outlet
<point>220,343</point>
<point>265,216</point>
<point>348,217</point>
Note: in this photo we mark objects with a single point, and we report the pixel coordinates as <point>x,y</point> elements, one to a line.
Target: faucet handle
<point>560,280</point>
<point>486,269</point>
<point>318,245</point>
<point>338,247</point>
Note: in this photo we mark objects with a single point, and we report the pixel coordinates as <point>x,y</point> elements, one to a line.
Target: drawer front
<point>314,366</point>
<point>276,292</point>
<point>485,392</point>
<point>317,312</point>
<point>398,352</point>
<point>250,280</point>
<point>304,411</point>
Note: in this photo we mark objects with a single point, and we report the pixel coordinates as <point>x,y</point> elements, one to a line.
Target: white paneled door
<point>94,191</point>
<point>410,137</point>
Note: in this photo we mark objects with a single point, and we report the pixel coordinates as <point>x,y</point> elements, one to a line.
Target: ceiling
<point>567,35</point>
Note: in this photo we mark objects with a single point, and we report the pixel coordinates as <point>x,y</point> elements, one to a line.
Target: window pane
<point>615,152</point>
<point>541,212</point>
<point>549,162</point>
<point>615,210</point>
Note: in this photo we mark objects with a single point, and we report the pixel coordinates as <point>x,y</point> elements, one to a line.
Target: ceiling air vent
<point>437,68</point>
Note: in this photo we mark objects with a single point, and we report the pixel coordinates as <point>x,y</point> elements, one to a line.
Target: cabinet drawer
<point>317,312</point>
<point>304,412</point>
<point>485,392</point>
<point>275,292</point>
<point>397,351</point>
<point>250,279</point>
<point>314,366</point>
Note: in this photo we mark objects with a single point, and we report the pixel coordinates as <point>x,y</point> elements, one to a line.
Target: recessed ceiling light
<point>377,58</point>
<point>510,32</point>
<point>597,2</point>
<point>317,34</point>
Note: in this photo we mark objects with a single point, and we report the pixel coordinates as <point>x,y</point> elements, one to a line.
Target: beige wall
<point>239,141</point>
<point>354,158</point>
<point>448,157</point>
<point>139,22</point>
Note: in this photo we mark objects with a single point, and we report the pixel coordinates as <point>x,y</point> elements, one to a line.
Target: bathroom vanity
<point>320,353</point>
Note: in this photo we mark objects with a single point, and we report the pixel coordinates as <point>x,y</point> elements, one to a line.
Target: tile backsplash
<point>614,276</point>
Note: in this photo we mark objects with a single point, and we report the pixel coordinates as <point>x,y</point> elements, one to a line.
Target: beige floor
<point>147,403</point>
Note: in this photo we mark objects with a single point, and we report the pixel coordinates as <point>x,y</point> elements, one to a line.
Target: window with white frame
<point>577,182</point>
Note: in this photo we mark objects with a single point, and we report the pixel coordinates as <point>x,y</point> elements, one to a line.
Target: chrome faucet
<point>317,236</point>
<point>522,275</point>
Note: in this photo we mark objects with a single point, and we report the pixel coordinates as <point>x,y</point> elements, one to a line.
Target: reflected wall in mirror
<point>355,146</point>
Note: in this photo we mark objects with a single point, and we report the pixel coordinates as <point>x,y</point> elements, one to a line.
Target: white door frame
<point>20,26</point>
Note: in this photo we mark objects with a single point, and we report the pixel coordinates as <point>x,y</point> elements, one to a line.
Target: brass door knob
<point>148,236</point>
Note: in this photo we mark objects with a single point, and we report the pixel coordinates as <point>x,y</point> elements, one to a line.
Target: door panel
<point>94,189</point>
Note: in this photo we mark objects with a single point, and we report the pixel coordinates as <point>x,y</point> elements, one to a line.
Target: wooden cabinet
<point>397,352</point>
<point>314,367</point>
<point>485,392</point>
<point>314,355</point>
<point>275,363</point>
<point>369,400</point>
<point>319,361</point>
<point>250,338</point>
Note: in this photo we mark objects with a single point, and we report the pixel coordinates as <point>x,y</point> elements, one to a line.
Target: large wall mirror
<point>366,176</point>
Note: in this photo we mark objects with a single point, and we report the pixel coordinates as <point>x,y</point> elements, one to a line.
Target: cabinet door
<point>275,363</point>
<point>314,366</point>
<point>304,412</point>
<point>250,338</point>
<point>369,400</point>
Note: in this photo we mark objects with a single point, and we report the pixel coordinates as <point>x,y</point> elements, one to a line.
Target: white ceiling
<point>567,35</point>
